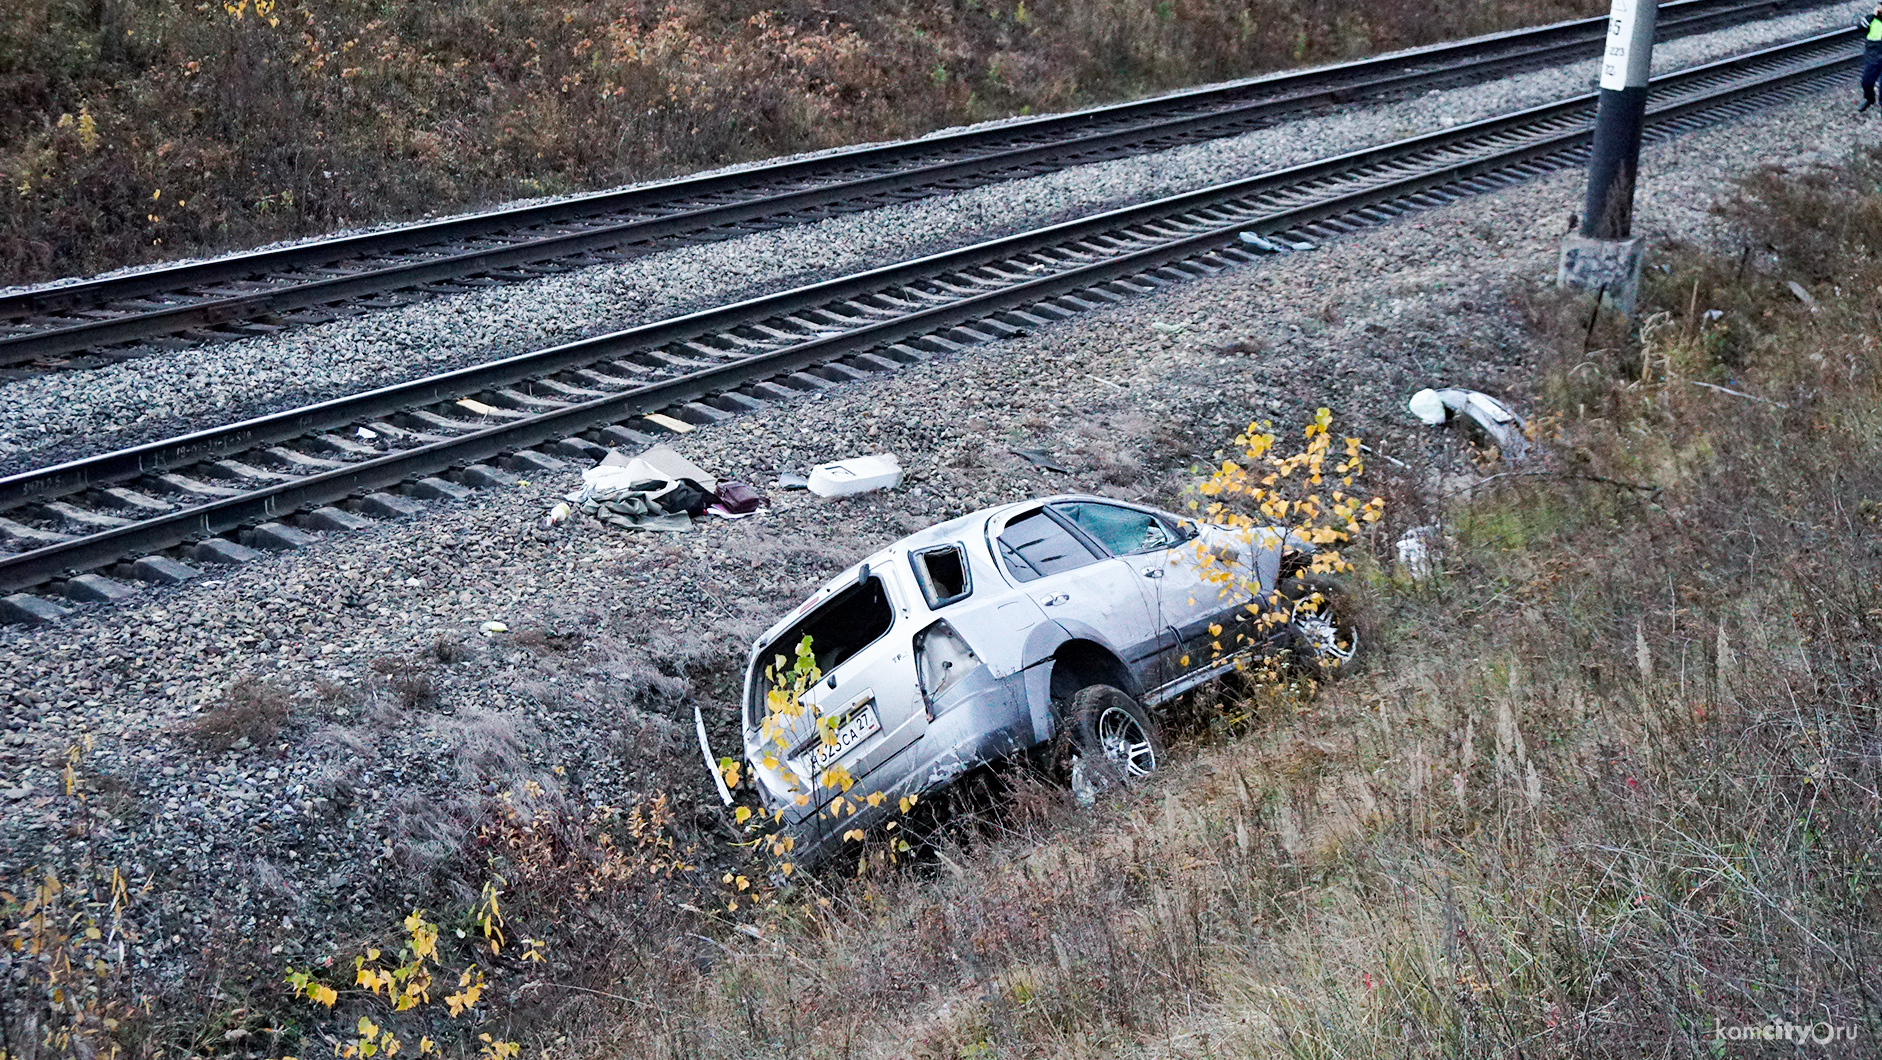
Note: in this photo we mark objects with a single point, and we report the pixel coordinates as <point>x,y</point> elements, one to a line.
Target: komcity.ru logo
<point>1822,1032</point>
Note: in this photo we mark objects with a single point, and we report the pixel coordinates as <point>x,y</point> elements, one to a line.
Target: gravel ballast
<point>62,416</point>
<point>403,720</point>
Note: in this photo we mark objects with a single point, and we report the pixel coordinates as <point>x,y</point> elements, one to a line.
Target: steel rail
<point>990,154</point>
<point>1555,135</point>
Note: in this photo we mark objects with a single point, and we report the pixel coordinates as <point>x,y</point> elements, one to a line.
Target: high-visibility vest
<point>1875,29</point>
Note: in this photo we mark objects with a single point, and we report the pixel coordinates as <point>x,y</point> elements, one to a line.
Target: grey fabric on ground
<point>641,492</point>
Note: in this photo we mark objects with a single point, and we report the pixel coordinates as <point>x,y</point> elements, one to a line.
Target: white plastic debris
<point>1414,551</point>
<point>1427,406</point>
<point>618,471</point>
<point>493,627</point>
<point>859,474</point>
<point>558,514</point>
<point>1503,426</point>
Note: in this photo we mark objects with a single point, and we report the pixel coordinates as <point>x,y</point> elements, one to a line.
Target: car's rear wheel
<point>1114,742</point>
<point>1320,631</point>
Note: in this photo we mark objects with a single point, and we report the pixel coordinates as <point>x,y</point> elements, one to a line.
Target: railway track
<point>264,292</point>
<point>217,495</point>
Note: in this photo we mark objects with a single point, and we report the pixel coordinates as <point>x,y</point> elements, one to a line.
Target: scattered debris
<point>860,474</point>
<point>1106,382</point>
<point>1041,458</point>
<point>1168,329</point>
<point>476,406</point>
<point>1414,551</point>
<point>735,500</point>
<point>1494,418</point>
<point>1803,295</point>
<point>493,627</point>
<point>557,515</point>
<point>705,748</point>
<point>1273,246</point>
<point>791,480</point>
<point>1737,393</point>
<point>656,490</point>
<point>1395,462</point>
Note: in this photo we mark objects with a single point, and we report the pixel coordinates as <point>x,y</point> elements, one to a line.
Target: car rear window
<point>844,625</point>
<point>1035,545</point>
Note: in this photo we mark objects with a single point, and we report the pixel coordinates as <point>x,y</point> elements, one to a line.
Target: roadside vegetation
<point>134,132</point>
<point>1605,785</point>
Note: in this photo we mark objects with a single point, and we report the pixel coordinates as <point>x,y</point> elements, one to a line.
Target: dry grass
<point>132,132</point>
<point>250,709</point>
<point>1608,781</point>
<point>1607,784</point>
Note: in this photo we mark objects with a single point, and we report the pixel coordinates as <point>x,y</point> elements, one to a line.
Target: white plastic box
<point>856,475</point>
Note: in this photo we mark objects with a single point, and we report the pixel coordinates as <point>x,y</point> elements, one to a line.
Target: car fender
<point>1042,646</point>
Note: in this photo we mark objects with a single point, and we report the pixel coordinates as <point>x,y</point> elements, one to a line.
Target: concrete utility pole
<point>1602,256</point>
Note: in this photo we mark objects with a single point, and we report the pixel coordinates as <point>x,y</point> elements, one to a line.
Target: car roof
<point>953,530</point>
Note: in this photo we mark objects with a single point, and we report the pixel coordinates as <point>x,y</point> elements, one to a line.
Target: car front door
<point>1176,576</point>
<point>1091,595</point>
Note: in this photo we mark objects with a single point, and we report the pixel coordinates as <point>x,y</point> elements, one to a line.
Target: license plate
<point>857,724</point>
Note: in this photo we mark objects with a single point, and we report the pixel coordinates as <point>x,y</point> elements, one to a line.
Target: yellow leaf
<point>876,798</point>
<point>323,994</point>
<point>742,814</point>
<point>854,833</point>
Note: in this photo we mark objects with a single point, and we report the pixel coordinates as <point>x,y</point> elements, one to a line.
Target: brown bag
<point>738,498</point>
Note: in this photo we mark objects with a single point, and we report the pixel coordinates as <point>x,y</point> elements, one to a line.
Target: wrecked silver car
<point>1044,628</point>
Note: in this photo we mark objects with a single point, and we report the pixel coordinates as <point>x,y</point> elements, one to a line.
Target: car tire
<point>1321,637</point>
<point>1113,742</point>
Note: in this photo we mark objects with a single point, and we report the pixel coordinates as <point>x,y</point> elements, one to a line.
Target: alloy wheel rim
<point>1321,630</point>
<point>1125,742</point>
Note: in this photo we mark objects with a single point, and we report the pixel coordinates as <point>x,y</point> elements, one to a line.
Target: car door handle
<point>1054,600</point>
<point>1153,572</point>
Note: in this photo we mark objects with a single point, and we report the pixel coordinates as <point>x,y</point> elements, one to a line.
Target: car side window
<point>1034,546</point>
<point>943,575</point>
<point>1122,531</point>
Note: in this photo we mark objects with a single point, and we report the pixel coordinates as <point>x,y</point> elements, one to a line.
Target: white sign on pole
<point>1628,60</point>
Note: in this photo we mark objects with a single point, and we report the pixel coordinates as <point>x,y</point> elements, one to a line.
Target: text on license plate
<point>858,723</point>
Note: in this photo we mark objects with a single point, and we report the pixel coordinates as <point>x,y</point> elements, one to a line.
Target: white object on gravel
<point>862,474</point>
